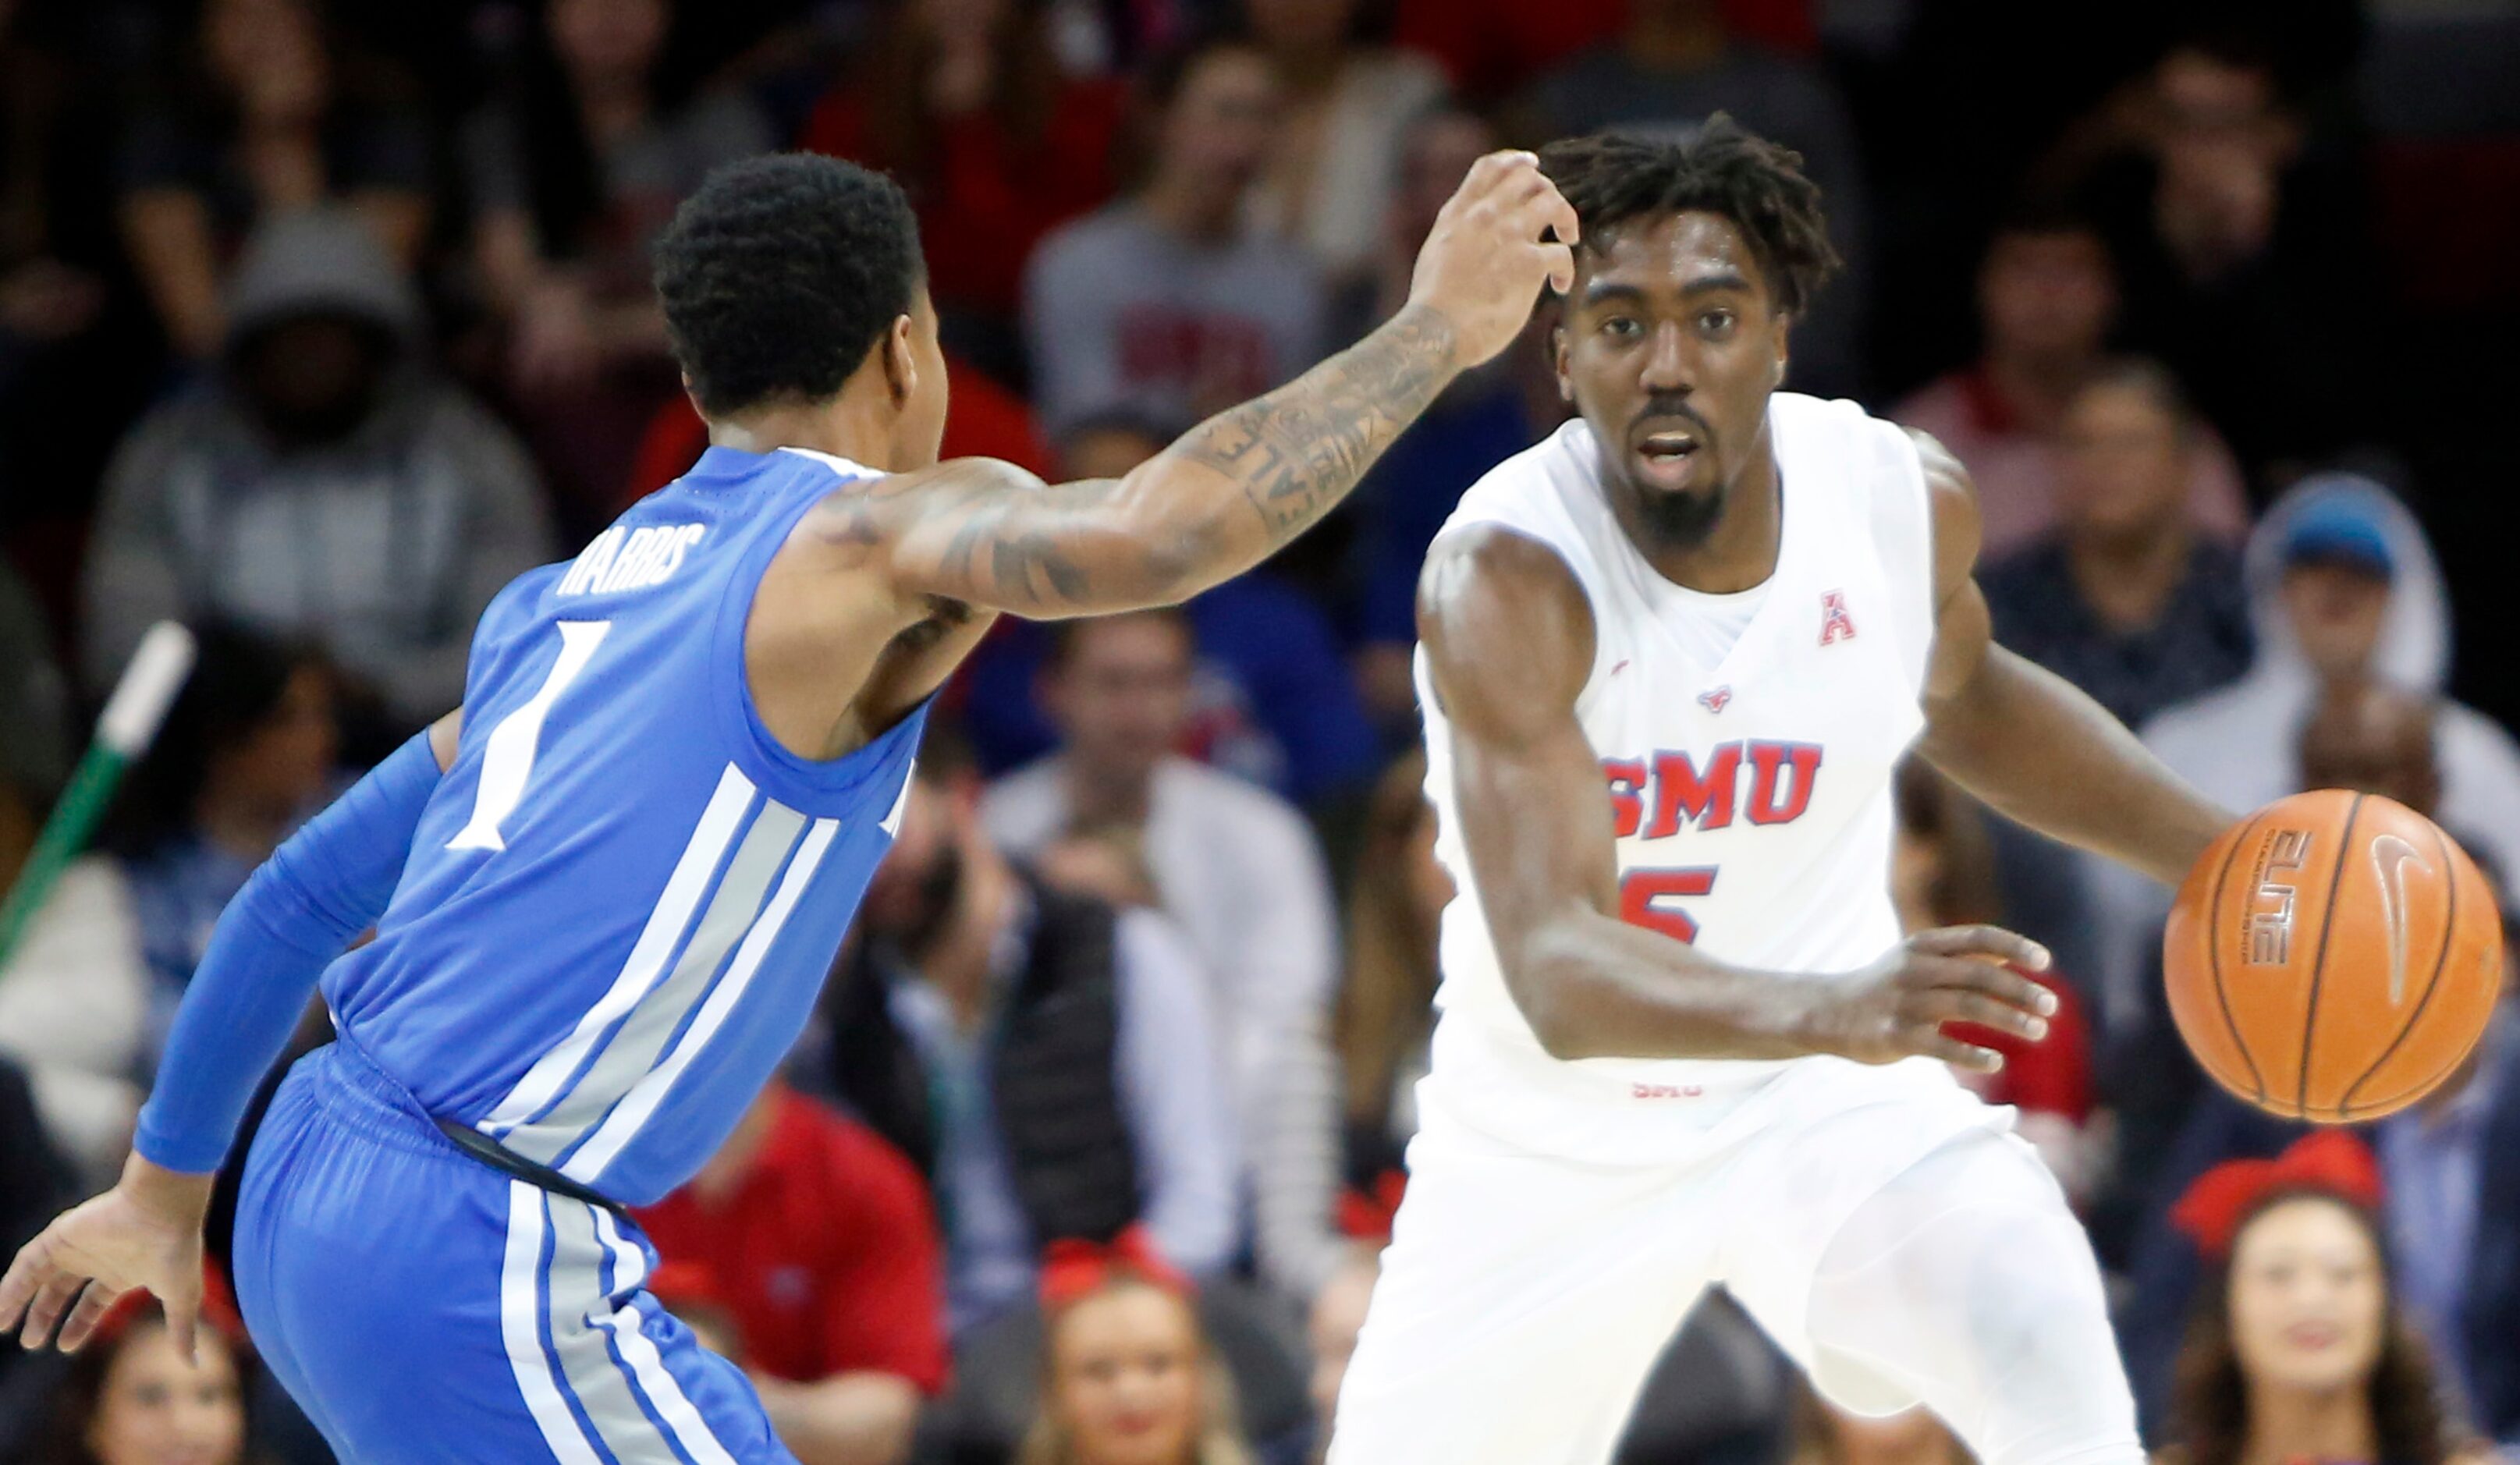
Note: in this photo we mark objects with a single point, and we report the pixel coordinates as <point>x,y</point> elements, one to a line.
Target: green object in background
<point>124,732</point>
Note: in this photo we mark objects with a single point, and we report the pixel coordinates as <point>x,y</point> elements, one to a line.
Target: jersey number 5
<point>1641,889</point>
<point>508,757</point>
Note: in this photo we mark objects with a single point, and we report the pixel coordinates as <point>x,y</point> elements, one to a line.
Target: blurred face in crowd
<point>313,378</point>
<point>607,39</point>
<point>2307,1300</point>
<point>155,1409</point>
<point>1216,132</point>
<point>2374,739</point>
<point>1670,346</point>
<point>2124,464</point>
<point>1121,693</point>
<point>1124,1374</point>
<point>285,764</point>
<point>2335,610</point>
<point>2047,297</point>
<point>269,55</point>
<point>1300,24</point>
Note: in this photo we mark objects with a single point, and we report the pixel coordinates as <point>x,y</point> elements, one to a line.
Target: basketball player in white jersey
<point>1681,1042</point>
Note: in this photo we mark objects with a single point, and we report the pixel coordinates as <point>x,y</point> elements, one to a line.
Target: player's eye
<point>1717,322</point>
<point>1622,328</point>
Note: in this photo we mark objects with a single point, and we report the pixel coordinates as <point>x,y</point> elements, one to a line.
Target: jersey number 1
<point>1640,889</point>
<point>508,757</point>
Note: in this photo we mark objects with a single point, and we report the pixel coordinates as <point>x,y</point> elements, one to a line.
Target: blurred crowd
<point>318,322</point>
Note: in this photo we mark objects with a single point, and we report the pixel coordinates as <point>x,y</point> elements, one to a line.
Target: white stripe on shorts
<point>521,1328</point>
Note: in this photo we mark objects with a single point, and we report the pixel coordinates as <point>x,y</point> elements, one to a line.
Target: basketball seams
<point>2441,963</point>
<point>2318,963</point>
<point>2382,1108</point>
<point>2214,951</point>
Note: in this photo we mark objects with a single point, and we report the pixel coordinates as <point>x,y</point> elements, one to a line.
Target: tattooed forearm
<point>1214,504</point>
<point>1299,449</point>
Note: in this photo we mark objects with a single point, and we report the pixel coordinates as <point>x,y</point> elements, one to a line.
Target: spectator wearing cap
<point>1171,304</point>
<point>2047,297</point>
<point>817,1245</point>
<point>1046,1059</point>
<point>324,483</point>
<point>2342,586</point>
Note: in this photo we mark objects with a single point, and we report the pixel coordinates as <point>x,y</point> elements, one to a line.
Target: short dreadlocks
<point>1723,169</point>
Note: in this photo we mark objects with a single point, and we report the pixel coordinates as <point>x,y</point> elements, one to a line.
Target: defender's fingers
<point>183,1323</point>
<point>51,1301</point>
<point>1494,169</point>
<point>1982,941</point>
<point>89,1311</point>
<point>18,1286</point>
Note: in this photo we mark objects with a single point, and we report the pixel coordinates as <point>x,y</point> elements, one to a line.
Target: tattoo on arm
<point>1223,498</point>
<point>1297,451</point>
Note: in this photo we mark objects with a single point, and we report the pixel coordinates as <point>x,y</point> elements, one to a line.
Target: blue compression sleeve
<point>325,885</point>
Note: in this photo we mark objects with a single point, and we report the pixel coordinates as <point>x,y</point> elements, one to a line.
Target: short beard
<point>1680,521</point>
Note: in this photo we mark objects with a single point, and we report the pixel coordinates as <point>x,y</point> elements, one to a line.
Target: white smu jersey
<point>1746,741</point>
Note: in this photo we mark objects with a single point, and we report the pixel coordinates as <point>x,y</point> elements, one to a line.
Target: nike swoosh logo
<point>2389,857</point>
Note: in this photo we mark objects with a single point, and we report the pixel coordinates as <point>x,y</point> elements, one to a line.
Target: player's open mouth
<point>1671,447</point>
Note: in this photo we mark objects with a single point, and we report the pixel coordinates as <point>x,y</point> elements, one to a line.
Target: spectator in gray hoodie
<point>321,481</point>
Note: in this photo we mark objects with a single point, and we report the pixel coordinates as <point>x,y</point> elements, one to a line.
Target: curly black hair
<point>1613,179</point>
<point>779,275</point>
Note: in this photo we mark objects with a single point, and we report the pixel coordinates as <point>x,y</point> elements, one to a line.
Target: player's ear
<point>900,363</point>
<point>1558,359</point>
<point>1776,371</point>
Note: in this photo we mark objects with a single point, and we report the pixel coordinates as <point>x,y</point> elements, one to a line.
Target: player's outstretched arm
<point>2031,744</point>
<point>1246,481</point>
<point>329,882</point>
<point>1508,641</point>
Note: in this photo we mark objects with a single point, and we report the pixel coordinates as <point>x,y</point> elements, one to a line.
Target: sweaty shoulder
<point>1507,628</point>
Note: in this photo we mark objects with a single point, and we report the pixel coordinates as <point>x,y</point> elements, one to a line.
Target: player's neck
<point>848,426</point>
<point>1738,553</point>
<point>2293,1424</point>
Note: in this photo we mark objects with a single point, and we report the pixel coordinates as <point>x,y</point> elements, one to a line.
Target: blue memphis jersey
<point>624,896</point>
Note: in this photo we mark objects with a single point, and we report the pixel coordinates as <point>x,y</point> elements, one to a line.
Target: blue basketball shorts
<point>422,1307</point>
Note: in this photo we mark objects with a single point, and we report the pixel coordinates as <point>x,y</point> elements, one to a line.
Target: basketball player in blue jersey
<point>606,891</point>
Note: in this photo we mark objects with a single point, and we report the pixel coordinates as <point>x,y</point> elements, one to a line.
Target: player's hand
<point>145,1232</point>
<point>1483,264</point>
<point>1896,1008</point>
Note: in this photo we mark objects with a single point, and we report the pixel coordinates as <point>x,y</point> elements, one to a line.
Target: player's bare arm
<point>2031,744</point>
<point>1244,482</point>
<point>1510,639</point>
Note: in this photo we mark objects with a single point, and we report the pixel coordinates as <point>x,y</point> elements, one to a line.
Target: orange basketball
<point>2334,956</point>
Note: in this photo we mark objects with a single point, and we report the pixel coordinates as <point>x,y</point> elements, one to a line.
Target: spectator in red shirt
<point>819,1244</point>
<point>966,104</point>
